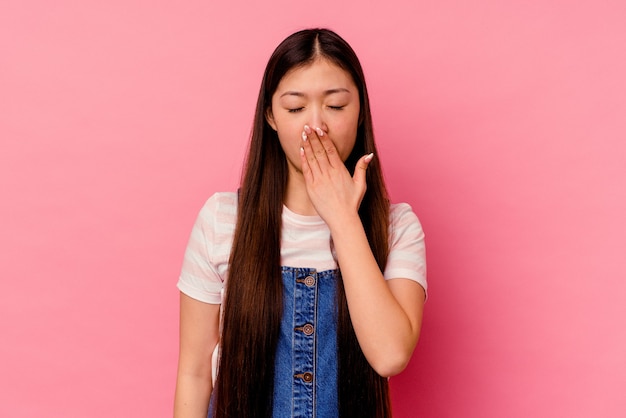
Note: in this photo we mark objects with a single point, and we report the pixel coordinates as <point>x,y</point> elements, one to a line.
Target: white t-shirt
<point>305,242</point>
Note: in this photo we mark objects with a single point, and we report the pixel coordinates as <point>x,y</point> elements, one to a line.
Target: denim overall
<point>305,369</point>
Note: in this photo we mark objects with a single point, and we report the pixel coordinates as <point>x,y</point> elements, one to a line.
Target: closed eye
<point>336,107</point>
<point>295,110</point>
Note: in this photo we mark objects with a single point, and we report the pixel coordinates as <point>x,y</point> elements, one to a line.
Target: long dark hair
<point>253,303</point>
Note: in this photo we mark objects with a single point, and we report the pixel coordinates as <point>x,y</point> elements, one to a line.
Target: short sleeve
<point>407,254</point>
<point>206,256</point>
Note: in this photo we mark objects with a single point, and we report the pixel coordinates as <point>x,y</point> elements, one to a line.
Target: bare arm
<point>199,334</point>
<point>386,314</point>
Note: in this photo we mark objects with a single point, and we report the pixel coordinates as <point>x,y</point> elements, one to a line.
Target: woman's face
<point>320,95</point>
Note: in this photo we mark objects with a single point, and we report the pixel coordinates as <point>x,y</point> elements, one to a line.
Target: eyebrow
<point>326,93</point>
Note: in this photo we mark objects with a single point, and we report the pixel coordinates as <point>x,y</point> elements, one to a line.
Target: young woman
<point>324,279</point>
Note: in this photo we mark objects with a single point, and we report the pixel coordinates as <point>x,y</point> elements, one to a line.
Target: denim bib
<point>305,369</point>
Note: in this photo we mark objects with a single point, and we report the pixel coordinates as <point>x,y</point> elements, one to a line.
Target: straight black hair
<point>253,302</point>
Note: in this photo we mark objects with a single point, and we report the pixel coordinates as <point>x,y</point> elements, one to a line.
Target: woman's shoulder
<point>404,222</point>
<point>402,212</point>
<point>221,207</point>
<point>222,199</point>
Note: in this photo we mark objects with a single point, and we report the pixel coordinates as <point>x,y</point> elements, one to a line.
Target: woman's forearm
<point>199,323</point>
<point>192,396</point>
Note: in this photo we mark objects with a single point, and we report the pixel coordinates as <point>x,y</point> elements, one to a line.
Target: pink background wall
<point>502,123</point>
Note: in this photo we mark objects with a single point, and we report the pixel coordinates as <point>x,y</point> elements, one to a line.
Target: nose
<point>317,119</point>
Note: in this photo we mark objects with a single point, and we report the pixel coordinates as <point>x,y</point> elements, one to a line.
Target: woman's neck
<point>296,196</point>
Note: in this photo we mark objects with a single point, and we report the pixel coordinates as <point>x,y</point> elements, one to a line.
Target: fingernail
<point>304,137</point>
<point>307,129</point>
<point>369,157</point>
<point>319,131</point>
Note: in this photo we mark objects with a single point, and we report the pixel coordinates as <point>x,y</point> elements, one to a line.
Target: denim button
<point>307,377</point>
<point>307,329</point>
<point>309,281</point>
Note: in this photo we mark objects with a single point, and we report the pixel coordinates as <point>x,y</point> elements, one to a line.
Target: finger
<point>318,149</point>
<point>307,155</point>
<point>306,168</point>
<point>361,168</point>
<point>331,150</point>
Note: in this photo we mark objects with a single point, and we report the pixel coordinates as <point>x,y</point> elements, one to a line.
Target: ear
<point>269,117</point>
